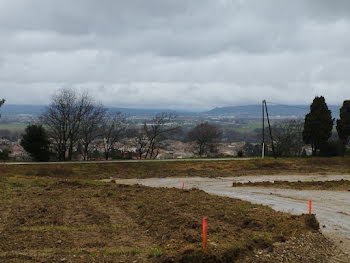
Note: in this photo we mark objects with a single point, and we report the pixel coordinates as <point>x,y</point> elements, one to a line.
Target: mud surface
<point>332,208</point>
<point>291,178</point>
<point>45,220</point>
<point>341,185</point>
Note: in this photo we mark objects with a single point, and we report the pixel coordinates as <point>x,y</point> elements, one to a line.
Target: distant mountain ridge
<point>246,111</point>
<point>255,111</point>
<point>13,109</point>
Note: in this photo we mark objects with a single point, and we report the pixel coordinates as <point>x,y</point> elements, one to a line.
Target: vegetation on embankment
<point>340,185</point>
<point>183,168</point>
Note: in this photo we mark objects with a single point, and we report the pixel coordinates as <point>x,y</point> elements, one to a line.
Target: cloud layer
<point>176,54</point>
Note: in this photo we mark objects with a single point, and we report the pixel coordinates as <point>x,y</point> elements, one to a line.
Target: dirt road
<point>332,208</point>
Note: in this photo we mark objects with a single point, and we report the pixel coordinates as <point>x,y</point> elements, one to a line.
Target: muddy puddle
<point>332,208</point>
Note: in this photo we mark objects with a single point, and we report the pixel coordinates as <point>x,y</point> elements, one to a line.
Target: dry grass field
<point>267,166</point>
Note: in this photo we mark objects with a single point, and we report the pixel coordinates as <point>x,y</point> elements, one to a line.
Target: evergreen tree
<point>1,103</point>
<point>36,142</point>
<point>318,124</point>
<point>343,124</point>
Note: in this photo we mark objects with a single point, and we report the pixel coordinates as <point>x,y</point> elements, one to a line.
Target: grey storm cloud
<point>193,54</point>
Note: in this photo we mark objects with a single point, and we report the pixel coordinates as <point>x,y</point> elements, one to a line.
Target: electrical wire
<point>291,106</point>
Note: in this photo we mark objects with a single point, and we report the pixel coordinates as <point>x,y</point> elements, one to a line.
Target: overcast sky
<point>177,54</point>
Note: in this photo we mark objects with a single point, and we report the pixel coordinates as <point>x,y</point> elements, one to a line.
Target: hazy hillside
<point>12,109</point>
<point>254,111</point>
<point>247,111</point>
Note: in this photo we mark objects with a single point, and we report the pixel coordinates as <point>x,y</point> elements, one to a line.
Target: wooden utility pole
<point>263,131</point>
<point>264,107</point>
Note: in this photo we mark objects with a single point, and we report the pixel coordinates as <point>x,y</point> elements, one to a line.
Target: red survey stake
<point>310,207</point>
<point>205,234</point>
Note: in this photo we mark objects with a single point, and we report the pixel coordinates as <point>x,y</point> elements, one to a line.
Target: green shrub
<point>5,154</point>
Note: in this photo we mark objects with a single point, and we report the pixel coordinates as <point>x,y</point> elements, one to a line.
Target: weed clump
<point>156,252</point>
<point>139,204</point>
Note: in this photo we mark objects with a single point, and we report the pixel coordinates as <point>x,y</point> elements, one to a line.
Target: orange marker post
<point>205,234</point>
<point>309,207</point>
<point>183,185</point>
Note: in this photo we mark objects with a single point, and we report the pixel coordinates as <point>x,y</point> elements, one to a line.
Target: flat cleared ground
<point>13,126</point>
<point>65,213</point>
<point>45,220</point>
<point>332,208</point>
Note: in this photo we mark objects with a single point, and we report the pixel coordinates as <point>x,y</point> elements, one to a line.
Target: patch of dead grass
<point>178,169</point>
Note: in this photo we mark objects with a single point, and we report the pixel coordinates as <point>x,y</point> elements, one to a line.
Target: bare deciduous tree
<point>140,140</point>
<point>154,131</point>
<point>63,118</point>
<point>80,109</point>
<point>112,129</point>
<point>90,128</point>
<point>288,137</point>
<point>205,135</point>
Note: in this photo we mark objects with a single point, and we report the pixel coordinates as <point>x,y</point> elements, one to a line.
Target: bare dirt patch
<point>341,185</point>
<point>330,207</point>
<point>60,220</point>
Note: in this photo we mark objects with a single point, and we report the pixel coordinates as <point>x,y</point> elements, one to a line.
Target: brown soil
<point>301,249</point>
<point>60,220</point>
<point>341,185</point>
<point>183,169</point>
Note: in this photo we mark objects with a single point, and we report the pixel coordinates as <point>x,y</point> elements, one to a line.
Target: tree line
<point>75,123</point>
<point>317,130</point>
<point>318,127</point>
<point>4,154</point>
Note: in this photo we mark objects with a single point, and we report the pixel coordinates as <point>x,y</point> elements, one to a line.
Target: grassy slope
<point>186,168</point>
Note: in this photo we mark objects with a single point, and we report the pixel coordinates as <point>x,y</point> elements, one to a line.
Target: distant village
<point>126,150</point>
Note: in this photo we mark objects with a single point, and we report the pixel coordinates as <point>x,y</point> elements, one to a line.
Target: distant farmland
<point>13,126</point>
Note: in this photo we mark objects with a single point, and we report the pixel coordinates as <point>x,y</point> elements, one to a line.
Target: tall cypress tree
<point>2,101</point>
<point>343,124</point>
<point>318,124</point>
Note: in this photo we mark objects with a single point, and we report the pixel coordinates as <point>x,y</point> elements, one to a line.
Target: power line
<point>264,109</point>
<point>291,106</point>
